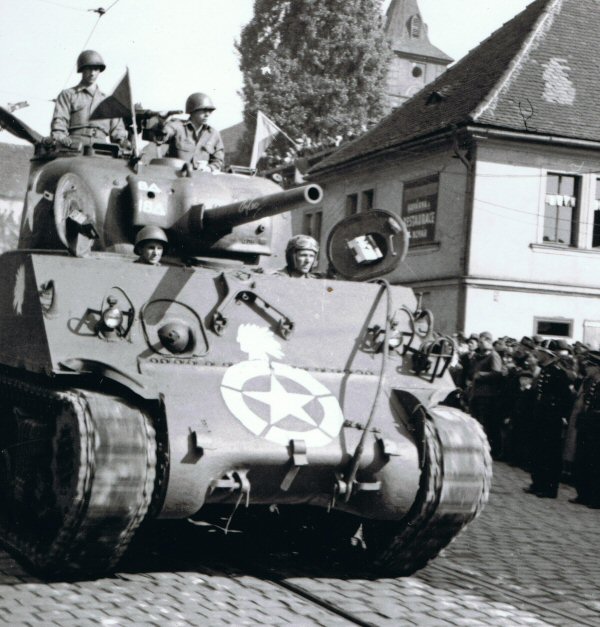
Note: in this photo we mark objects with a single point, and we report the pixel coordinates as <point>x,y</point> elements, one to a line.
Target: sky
<point>171,47</point>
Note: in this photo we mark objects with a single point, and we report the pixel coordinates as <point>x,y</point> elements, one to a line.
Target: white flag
<point>266,131</point>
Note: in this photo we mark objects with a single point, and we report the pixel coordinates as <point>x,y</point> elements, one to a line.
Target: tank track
<point>77,471</point>
<point>454,487</point>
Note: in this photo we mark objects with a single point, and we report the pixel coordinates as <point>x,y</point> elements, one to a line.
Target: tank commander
<point>301,255</point>
<point>193,140</point>
<point>71,122</point>
<point>150,244</point>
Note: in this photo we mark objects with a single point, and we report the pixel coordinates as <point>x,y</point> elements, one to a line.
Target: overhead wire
<point>101,13</point>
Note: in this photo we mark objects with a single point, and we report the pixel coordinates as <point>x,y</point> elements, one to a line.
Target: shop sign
<point>419,209</point>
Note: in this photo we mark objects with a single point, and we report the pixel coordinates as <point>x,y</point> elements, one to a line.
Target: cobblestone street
<point>525,561</point>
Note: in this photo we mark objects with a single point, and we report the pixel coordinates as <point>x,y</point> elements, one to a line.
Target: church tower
<point>415,61</point>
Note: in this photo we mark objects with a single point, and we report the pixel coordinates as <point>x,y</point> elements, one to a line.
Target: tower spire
<point>416,61</point>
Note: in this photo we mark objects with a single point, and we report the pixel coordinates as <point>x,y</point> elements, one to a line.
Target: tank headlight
<point>112,318</point>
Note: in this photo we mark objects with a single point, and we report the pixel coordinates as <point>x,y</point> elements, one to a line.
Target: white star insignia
<point>283,403</point>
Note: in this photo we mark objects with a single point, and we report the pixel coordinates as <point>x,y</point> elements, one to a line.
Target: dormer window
<point>414,26</point>
<point>435,97</point>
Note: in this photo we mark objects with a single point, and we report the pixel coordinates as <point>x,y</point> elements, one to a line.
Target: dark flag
<point>118,105</point>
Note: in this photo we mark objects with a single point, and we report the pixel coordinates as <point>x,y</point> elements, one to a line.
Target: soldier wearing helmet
<point>150,243</point>
<point>71,122</point>
<point>193,140</point>
<point>301,257</point>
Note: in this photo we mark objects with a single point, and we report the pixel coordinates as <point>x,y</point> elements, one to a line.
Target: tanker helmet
<point>198,101</point>
<point>148,233</point>
<point>300,242</point>
<point>90,58</point>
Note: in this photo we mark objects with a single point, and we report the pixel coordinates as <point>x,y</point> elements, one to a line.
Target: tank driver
<point>301,256</point>
<point>71,119</point>
<point>150,244</point>
<point>193,140</point>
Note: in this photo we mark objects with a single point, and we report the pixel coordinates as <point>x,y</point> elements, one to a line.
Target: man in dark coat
<point>552,402</point>
<point>486,392</point>
<point>587,454</point>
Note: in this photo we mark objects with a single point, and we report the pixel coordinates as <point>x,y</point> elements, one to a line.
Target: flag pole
<point>135,145</point>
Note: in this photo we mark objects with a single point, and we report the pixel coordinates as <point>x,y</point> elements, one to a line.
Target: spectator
<point>552,402</point>
<point>486,392</point>
<point>587,453</point>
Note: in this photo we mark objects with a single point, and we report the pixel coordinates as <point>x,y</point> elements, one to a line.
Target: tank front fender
<point>138,385</point>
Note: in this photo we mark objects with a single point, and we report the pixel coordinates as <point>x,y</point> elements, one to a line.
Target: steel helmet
<point>149,233</point>
<point>198,101</point>
<point>300,242</point>
<point>90,58</point>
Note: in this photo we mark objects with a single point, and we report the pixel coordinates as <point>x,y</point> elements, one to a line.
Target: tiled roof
<point>538,74</point>
<point>14,170</point>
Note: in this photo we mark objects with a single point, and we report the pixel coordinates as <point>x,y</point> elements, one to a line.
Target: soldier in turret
<point>71,119</point>
<point>301,256</point>
<point>193,140</point>
<point>150,244</point>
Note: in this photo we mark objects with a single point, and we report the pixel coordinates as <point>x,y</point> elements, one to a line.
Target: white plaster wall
<point>508,207</point>
<point>513,313</point>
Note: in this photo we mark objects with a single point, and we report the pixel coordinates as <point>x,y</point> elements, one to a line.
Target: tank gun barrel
<point>241,212</point>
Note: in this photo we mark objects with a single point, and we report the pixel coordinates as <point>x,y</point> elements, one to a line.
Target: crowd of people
<point>538,401</point>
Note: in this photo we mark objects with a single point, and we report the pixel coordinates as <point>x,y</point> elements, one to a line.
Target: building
<point>415,60</point>
<point>495,166</point>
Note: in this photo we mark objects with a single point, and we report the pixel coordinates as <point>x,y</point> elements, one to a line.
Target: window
<point>561,209</point>
<point>351,204</point>
<point>414,26</point>
<point>366,200</point>
<point>556,327</point>
<point>596,228</point>
<point>311,224</point>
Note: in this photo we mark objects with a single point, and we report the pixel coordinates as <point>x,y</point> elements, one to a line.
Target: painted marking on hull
<point>275,401</point>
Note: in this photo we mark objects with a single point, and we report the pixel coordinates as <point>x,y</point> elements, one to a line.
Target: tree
<point>317,68</point>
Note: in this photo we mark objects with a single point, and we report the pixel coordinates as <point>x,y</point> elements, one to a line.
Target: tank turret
<point>98,200</point>
<point>134,390</point>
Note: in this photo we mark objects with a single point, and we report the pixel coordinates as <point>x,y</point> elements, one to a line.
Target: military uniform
<point>587,456</point>
<point>552,402</point>
<point>485,399</point>
<point>194,146</point>
<point>72,117</point>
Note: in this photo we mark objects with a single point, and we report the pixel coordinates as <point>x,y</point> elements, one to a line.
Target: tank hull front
<point>245,389</point>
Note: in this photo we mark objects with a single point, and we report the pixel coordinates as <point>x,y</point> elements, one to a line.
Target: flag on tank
<point>266,131</point>
<point>118,105</point>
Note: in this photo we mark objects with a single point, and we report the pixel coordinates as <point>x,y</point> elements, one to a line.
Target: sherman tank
<point>211,385</point>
